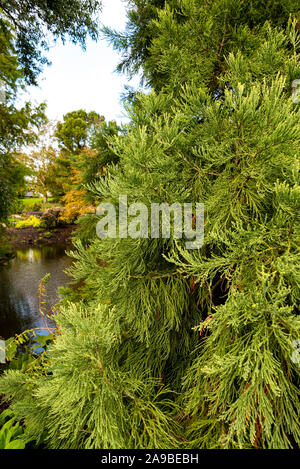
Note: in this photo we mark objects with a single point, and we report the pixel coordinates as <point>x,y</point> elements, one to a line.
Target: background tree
<point>60,18</point>
<point>18,126</point>
<point>22,40</point>
<point>42,161</point>
<point>41,158</point>
<point>87,165</point>
<point>74,133</point>
<point>13,182</point>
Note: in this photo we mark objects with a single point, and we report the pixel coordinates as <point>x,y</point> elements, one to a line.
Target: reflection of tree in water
<point>30,255</point>
<point>38,255</point>
<point>19,286</point>
<point>16,312</point>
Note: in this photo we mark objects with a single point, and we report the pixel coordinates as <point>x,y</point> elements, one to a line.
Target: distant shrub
<point>75,206</point>
<point>33,221</point>
<point>18,206</point>
<point>47,234</point>
<point>50,217</point>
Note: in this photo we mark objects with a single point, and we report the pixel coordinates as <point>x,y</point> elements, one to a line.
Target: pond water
<point>19,288</point>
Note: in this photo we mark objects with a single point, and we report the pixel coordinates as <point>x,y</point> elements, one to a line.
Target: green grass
<point>29,200</point>
<point>36,204</point>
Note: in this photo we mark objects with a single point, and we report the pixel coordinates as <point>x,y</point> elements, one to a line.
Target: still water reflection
<point>19,283</point>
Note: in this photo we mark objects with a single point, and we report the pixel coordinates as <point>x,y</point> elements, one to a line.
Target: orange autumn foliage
<point>74,201</point>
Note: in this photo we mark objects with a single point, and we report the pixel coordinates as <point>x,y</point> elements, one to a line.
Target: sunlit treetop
<point>74,132</point>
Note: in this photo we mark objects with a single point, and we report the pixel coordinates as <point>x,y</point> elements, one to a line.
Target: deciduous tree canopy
<point>24,26</point>
<point>32,20</point>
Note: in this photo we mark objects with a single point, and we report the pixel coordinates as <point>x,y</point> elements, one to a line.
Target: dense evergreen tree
<point>195,45</point>
<point>135,42</point>
<point>171,347</point>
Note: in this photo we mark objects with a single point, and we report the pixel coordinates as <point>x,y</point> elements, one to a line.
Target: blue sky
<point>80,79</point>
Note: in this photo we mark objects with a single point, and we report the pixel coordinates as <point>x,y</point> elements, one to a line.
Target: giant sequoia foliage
<point>198,40</point>
<point>178,348</point>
